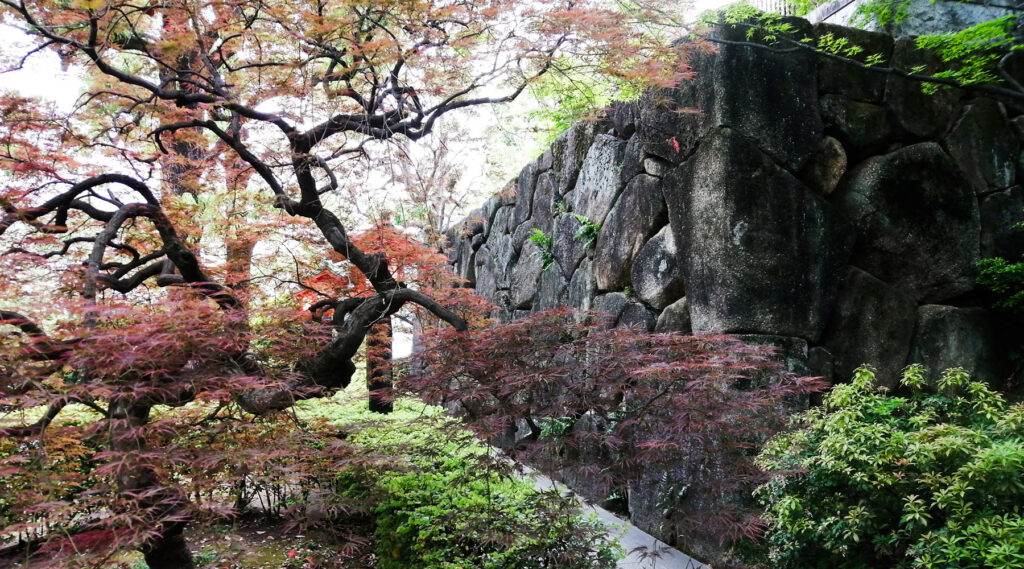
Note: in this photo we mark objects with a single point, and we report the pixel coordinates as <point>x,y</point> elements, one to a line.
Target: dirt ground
<point>251,544</point>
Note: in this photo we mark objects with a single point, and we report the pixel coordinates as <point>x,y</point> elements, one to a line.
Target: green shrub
<point>443,502</point>
<point>931,480</point>
<point>588,231</point>
<point>545,244</point>
<point>1004,279</point>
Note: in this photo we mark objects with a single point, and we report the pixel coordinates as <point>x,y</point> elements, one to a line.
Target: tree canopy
<point>153,237</point>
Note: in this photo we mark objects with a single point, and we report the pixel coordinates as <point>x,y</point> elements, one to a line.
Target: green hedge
<point>870,480</point>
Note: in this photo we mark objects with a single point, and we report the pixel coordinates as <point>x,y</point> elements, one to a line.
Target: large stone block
<point>921,114</point>
<point>543,212</point>
<point>820,363</point>
<point>636,315</point>
<point>568,250</point>
<point>486,277</point>
<point>465,266</point>
<point>872,324</point>
<point>551,289</point>
<point>600,179</point>
<point>675,318</point>
<point>582,286</point>
<point>657,271</point>
<point>917,221</point>
<point>525,186</point>
<point>624,115</point>
<point>524,233</point>
<point>857,83</point>
<point>490,210</point>
<point>502,217</point>
<point>761,253</point>
<point>947,336</point>
<point>504,258</point>
<point>765,96</point>
<point>611,304</point>
<point>984,146</point>
<point>636,215</point>
<point>568,152</point>
<point>863,128</point>
<point>826,168</point>
<point>999,213</point>
<point>525,276</point>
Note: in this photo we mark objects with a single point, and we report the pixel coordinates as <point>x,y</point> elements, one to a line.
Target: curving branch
<point>39,426</point>
<point>44,348</point>
<point>333,368</point>
<point>126,285</point>
<point>67,200</point>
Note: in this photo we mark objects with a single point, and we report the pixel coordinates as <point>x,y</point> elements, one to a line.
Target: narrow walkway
<point>643,551</point>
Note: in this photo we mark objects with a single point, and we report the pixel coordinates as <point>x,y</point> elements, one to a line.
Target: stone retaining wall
<point>830,210</point>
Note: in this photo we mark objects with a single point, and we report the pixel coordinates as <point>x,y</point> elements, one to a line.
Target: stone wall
<point>923,16</point>
<point>832,211</point>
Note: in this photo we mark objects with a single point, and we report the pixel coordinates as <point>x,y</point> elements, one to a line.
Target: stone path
<point>643,550</point>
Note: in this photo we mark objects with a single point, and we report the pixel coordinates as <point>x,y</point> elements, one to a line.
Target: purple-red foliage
<point>612,407</point>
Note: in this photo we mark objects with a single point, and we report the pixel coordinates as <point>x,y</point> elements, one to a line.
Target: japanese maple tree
<point>146,231</point>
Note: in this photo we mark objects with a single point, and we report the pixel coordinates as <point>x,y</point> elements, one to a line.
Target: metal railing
<point>825,10</point>
<point>777,6</point>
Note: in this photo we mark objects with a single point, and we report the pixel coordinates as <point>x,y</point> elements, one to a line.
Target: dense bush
<point>872,480</point>
<point>443,501</point>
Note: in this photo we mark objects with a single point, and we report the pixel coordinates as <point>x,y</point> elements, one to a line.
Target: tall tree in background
<point>198,116</point>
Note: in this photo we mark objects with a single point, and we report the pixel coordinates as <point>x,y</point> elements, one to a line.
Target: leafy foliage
<point>973,54</point>
<point>544,244</point>
<point>588,231</point>
<point>1004,279</point>
<point>928,480</point>
<point>612,405</point>
<point>974,58</point>
<point>222,157</point>
<point>445,502</point>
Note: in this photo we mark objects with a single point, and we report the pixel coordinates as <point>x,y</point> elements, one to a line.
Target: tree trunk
<point>379,373</point>
<point>169,549</point>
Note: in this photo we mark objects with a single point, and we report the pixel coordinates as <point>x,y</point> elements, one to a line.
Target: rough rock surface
<point>551,289</point>
<point>839,77</point>
<point>863,128</point>
<point>760,252</point>
<point>921,114</point>
<point>657,274</point>
<point>675,318</point>
<point>611,304</point>
<point>525,186</point>
<point>872,324</point>
<point>568,152</point>
<point>568,250</point>
<point>525,277</point>
<point>600,179</point>
<point>638,316</point>
<point>917,221</point>
<point>999,213</point>
<point>784,122</point>
<point>636,215</point>
<point>947,336</point>
<point>582,286</point>
<point>826,167</point>
<point>983,142</point>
